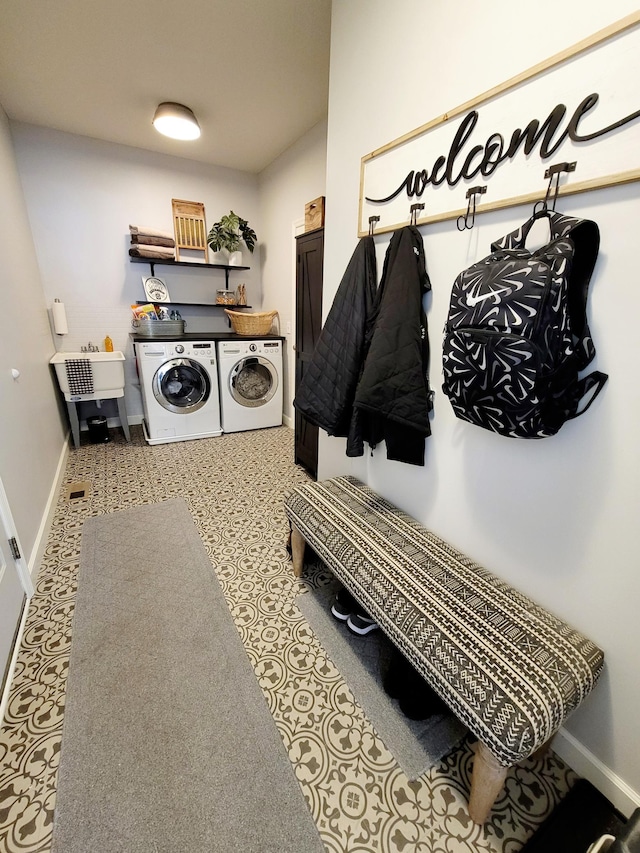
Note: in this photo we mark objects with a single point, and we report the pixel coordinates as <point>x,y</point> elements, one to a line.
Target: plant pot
<point>235,259</point>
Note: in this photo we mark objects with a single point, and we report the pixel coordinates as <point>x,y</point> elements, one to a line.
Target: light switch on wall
<point>288,327</point>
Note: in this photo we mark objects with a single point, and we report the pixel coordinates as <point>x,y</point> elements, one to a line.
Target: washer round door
<point>181,386</point>
<point>253,381</point>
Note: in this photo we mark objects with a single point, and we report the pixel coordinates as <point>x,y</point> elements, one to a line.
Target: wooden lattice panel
<point>189,227</point>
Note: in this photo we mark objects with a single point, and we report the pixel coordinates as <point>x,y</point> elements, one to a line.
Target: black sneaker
<point>397,672</point>
<point>403,682</point>
<point>343,605</point>
<point>361,624</point>
<point>420,703</point>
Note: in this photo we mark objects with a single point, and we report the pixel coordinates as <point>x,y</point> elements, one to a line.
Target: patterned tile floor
<point>234,486</point>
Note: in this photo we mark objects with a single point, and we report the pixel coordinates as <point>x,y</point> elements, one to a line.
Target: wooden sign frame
<point>369,206</point>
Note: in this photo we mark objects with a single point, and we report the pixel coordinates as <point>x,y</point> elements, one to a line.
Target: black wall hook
<point>468,220</point>
<point>413,211</point>
<point>372,224</point>
<point>553,174</point>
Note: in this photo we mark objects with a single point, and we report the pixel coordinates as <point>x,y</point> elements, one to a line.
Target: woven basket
<point>251,324</point>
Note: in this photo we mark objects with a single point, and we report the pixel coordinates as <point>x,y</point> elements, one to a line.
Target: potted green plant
<point>228,234</point>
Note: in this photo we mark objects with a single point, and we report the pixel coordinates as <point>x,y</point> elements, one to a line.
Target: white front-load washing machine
<point>179,381</point>
<point>250,384</point>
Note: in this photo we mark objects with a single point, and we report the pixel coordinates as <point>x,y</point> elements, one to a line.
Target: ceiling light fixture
<point>176,121</point>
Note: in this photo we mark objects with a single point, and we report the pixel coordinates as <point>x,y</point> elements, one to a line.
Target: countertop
<point>205,336</point>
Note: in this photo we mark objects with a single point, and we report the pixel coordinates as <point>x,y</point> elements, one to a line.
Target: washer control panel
<point>233,349</point>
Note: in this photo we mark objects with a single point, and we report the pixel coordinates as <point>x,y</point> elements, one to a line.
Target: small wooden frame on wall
<point>506,137</point>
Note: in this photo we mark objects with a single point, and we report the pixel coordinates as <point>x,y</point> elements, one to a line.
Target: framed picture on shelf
<point>155,289</point>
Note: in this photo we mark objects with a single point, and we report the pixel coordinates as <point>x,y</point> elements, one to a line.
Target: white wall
<point>557,517</point>
<point>82,194</point>
<point>31,432</point>
<point>286,185</point>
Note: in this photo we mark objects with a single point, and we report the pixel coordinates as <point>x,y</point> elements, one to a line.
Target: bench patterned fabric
<point>505,666</point>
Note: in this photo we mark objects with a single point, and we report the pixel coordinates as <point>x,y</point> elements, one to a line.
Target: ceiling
<point>255,72</point>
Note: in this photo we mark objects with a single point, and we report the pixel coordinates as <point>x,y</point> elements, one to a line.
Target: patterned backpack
<point>516,335</point>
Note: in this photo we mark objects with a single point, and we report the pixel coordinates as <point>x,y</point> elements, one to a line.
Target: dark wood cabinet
<point>309,267</point>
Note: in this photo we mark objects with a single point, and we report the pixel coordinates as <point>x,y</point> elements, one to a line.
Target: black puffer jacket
<point>393,394</point>
<point>326,392</point>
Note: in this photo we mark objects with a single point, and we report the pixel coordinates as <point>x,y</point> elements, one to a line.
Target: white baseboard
<point>47,516</point>
<point>585,764</point>
<point>288,421</point>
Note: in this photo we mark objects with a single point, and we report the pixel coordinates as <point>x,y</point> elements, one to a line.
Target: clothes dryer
<point>179,381</point>
<point>250,384</point>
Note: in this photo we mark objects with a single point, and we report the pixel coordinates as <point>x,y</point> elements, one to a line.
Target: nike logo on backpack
<point>472,301</point>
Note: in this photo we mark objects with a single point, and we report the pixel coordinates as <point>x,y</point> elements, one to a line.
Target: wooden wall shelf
<point>161,262</point>
<point>193,304</point>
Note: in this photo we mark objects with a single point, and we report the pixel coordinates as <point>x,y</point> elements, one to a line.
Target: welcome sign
<point>581,105</point>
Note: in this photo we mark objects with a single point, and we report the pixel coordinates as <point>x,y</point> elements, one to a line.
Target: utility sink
<point>107,369</point>
<point>96,376</point>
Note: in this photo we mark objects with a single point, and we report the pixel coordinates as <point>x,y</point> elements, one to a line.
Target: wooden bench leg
<point>298,544</point>
<point>487,780</point>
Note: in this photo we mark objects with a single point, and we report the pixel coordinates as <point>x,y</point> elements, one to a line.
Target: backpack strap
<point>585,235</point>
<point>593,383</point>
<point>559,226</point>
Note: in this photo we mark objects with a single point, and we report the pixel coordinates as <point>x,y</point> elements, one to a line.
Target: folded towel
<point>149,232</point>
<point>145,240</point>
<point>152,252</point>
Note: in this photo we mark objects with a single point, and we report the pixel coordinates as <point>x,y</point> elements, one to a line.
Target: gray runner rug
<point>168,744</point>
<point>416,745</point>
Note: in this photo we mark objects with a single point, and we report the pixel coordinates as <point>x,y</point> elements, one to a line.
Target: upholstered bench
<point>505,666</point>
